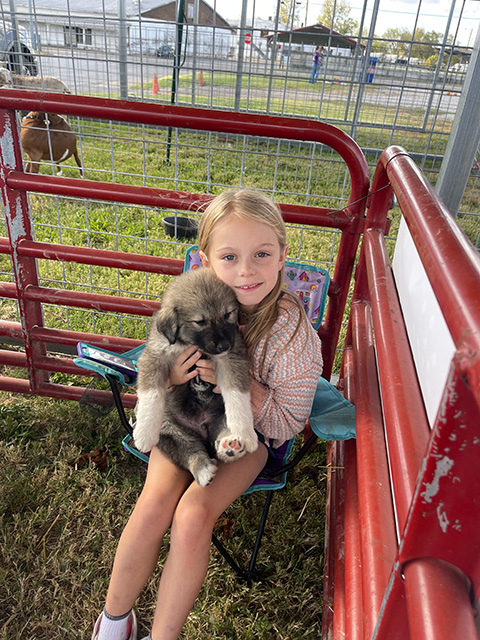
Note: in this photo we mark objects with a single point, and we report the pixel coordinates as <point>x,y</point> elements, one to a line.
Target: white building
<point>94,24</point>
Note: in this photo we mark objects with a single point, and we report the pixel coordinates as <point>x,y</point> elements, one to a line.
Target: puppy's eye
<point>228,315</point>
<point>200,322</point>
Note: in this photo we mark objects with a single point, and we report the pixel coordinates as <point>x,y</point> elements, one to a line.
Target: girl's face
<point>246,255</point>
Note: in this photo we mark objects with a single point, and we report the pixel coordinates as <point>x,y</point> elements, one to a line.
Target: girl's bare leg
<point>141,540</point>
<point>191,534</point>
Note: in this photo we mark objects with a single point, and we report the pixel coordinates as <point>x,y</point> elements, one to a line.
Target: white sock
<point>114,627</point>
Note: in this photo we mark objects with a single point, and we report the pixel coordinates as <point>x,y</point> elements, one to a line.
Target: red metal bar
<point>405,419</point>
<point>87,300</point>
<point>71,338</point>
<point>60,391</point>
<point>354,617</point>
<point>339,534</point>
<point>68,338</point>
<point>166,199</point>
<point>328,562</point>
<point>5,246</point>
<point>64,365</point>
<point>8,290</point>
<point>438,601</point>
<point>378,540</point>
<point>13,358</point>
<point>100,257</point>
<point>11,330</point>
<point>45,363</point>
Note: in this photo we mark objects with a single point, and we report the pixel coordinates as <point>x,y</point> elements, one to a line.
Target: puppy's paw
<point>250,441</point>
<point>230,447</point>
<point>205,474</point>
<point>144,437</point>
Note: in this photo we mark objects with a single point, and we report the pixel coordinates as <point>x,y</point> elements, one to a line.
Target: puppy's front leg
<point>239,417</point>
<point>149,412</point>
<point>240,436</point>
<point>153,370</point>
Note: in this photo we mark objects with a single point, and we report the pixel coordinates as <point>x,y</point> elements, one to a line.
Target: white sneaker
<point>132,619</point>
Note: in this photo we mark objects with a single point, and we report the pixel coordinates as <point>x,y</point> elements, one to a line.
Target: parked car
<point>23,59</point>
<point>165,51</point>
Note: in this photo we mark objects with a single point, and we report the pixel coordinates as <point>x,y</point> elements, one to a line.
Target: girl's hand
<point>206,370</point>
<point>179,374</point>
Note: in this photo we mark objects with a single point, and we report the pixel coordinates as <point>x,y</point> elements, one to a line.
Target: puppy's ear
<point>167,324</point>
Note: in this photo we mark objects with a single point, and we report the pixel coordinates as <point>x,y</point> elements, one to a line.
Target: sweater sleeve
<point>283,385</point>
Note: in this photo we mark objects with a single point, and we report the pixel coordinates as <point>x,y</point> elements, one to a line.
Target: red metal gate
<point>14,184</point>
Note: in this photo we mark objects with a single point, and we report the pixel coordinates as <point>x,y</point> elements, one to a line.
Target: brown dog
<point>47,136</point>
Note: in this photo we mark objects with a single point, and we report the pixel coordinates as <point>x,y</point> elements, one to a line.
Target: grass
<point>60,524</point>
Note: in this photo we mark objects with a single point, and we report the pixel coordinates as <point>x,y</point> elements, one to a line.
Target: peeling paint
<point>7,147</point>
<point>457,525</point>
<point>443,466</point>
<point>443,520</point>
<point>17,222</point>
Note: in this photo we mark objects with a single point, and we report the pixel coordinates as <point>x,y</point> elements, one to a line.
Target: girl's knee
<point>193,523</point>
<point>154,510</point>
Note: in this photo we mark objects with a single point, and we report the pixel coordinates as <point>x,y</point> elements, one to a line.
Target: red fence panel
<point>24,250</point>
<point>429,560</point>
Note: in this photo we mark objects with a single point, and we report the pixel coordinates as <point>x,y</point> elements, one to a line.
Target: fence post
<point>464,139</point>
<point>19,227</point>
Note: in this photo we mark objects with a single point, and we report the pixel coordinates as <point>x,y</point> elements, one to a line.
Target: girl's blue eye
<point>263,254</point>
<point>228,257</point>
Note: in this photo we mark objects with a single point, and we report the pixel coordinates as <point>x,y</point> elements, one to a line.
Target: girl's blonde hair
<point>251,205</point>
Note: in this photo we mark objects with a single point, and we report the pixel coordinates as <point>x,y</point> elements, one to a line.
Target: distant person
<point>284,57</point>
<point>317,62</point>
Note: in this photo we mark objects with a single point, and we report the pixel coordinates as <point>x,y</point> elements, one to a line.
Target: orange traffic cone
<point>201,81</point>
<point>155,88</point>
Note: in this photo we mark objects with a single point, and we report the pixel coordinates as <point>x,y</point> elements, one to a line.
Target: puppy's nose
<point>223,346</point>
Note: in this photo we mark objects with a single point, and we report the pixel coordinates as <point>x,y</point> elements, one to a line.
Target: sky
<point>433,15</point>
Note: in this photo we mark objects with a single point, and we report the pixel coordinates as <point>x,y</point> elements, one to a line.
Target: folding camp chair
<point>332,417</point>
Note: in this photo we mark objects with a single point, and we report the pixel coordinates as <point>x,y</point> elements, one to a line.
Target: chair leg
<point>228,557</point>
<point>119,404</point>
<point>251,572</point>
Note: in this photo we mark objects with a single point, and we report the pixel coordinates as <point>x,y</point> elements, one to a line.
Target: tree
<point>400,42</point>
<point>336,15</point>
<point>286,9</point>
<point>394,41</point>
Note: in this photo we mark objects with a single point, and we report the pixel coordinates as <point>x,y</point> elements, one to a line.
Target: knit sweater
<point>283,385</point>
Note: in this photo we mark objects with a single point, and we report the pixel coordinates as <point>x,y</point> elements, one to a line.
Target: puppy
<point>192,425</point>
<point>47,136</point>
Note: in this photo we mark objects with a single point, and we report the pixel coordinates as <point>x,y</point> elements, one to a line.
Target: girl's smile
<point>246,255</point>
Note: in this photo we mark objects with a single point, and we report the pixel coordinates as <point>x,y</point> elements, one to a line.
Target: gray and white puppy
<point>192,425</point>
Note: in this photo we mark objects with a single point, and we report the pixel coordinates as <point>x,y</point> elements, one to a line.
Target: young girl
<point>242,238</point>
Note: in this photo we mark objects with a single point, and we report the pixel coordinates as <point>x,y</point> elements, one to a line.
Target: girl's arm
<point>282,390</point>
